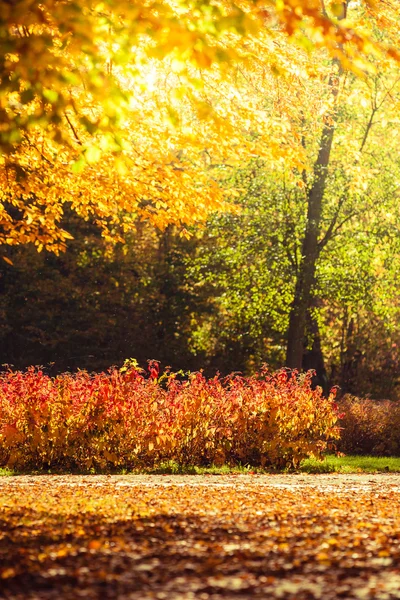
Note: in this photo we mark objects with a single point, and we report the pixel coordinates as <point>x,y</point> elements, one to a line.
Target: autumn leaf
<point>296,536</point>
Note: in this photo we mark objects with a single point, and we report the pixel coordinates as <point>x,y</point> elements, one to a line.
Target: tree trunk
<point>310,250</point>
<point>313,357</point>
<point>310,246</point>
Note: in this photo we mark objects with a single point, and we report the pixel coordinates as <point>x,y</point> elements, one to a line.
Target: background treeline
<point>219,301</point>
<point>163,133</point>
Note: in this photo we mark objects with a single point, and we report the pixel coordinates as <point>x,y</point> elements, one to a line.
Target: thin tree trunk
<point>310,247</point>
<point>310,250</point>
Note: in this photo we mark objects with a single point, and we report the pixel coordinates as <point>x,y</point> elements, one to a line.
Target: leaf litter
<point>204,537</point>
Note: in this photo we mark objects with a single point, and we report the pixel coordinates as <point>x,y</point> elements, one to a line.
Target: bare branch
<point>73,129</point>
<point>389,92</point>
<point>329,232</point>
<point>42,155</point>
<point>323,9</point>
<point>368,128</point>
<point>345,220</point>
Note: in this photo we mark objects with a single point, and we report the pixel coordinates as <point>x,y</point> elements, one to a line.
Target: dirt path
<point>323,482</point>
<point>204,537</point>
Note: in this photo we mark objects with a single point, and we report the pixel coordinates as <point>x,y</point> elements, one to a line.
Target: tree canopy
<point>150,116</point>
<point>104,105</point>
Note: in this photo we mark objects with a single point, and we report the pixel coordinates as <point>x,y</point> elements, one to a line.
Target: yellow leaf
<point>93,154</point>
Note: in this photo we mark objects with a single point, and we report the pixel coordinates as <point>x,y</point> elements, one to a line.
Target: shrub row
<point>129,418</point>
<point>370,426</point>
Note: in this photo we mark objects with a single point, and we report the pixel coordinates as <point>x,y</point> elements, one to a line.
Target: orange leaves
<point>10,435</point>
<point>345,32</point>
<point>123,419</point>
<point>262,536</point>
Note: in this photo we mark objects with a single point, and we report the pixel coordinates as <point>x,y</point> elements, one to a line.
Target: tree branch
<point>340,225</point>
<point>329,232</point>
<point>73,129</point>
<point>368,128</point>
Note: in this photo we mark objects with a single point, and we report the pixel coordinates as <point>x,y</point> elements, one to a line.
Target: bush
<point>127,418</point>
<point>370,426</point>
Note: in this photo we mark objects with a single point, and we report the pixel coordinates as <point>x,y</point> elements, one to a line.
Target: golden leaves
<point>135,113</point>
<point>258,535</point>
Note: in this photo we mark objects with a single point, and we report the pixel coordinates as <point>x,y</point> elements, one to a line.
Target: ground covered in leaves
<point>203,537</point>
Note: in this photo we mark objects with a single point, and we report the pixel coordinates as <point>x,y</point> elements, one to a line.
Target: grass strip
<point>331,464</point>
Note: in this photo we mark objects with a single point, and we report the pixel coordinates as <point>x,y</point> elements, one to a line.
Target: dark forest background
<point>218,301</point>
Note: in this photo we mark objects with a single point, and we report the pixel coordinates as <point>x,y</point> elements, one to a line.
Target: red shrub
<point>370,426</point>
<point>123,418</point>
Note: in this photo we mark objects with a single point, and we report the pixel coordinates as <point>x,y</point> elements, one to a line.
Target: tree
<point>126,112</point>
<point>305,278</point>
<point>92,307</point>
<point>315,237</point>
<point>320,225</point>
<point>74,129</point>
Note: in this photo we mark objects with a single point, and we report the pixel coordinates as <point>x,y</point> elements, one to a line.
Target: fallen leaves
<point>197,537</point>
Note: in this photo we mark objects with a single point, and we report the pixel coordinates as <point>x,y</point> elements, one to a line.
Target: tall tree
<point>347,176</point>
<point>305,279</point>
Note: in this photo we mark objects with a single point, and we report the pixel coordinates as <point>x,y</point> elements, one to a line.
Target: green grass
<point>173,468</point>
<point>352,464</point>
<point>4,471</point>
<point>331,464</point>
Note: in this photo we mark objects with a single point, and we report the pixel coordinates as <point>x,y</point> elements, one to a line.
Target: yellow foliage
<point>126,113</point>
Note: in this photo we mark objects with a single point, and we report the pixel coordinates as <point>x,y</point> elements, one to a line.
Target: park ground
<point>206,537</point>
